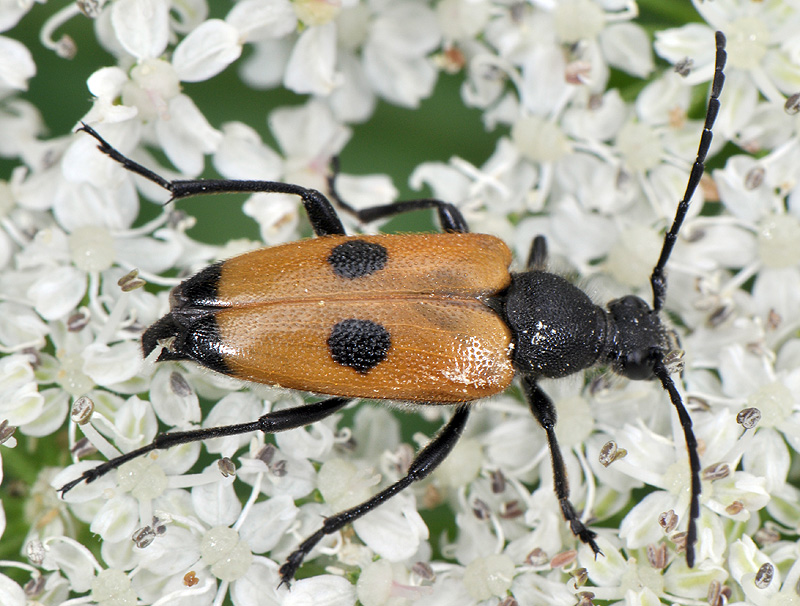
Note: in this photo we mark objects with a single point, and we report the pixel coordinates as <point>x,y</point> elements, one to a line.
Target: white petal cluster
<point>594,120</point>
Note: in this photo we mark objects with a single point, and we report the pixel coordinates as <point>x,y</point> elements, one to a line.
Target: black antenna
<point>658,280</point>
<point>661,372</point>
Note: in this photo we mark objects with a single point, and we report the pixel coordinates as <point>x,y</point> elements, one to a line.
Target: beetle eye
<point>637,365</point>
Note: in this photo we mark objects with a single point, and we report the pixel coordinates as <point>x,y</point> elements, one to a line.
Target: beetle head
<point>640,339</point>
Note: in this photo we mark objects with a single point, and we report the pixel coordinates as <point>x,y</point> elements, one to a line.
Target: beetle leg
<point>272,422</point>
<point>537,257</point>
<point>423,464</point>
<point>450,218</point>
<point>321,214</point>
<point>545,412</point>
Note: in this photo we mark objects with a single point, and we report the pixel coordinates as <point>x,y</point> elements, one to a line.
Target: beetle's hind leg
<point>428,459</point>
<point>450,218</point>
<point>272,422</point>
<point>543,409</point>
<point>321,214</point>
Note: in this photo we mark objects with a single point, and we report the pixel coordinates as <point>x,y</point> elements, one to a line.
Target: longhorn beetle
<point>421,318</point>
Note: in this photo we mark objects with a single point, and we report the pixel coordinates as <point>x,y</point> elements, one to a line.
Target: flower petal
<point>142,26</point>
<point>262,19</point>
<point>322,590</point>
<point>16,64</point>
<point>311,67</point>
<point>207,51</point>
<point>627,47</point>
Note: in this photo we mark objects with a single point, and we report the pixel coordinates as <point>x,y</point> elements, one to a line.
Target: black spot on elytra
<point>360,344</point>
<point>357,258</point>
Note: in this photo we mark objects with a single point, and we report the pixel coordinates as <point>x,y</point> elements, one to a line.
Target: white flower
<point>487,196</point>
<point>761,194</point>
<point>16,66</point>
<point>641,581</point>
<point>309,137</point>
<point>762,57</point>
<point>350,55</point>
<point>20,400</point>
<point>759,575</point>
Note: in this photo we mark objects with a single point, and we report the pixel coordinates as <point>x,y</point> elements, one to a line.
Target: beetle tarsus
<point>577,527</point>
<point>295,559</point>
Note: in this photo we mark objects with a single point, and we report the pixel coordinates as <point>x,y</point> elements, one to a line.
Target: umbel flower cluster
<point>594,165</point>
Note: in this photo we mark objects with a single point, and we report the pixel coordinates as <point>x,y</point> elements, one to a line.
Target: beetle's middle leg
<point>428,459</point>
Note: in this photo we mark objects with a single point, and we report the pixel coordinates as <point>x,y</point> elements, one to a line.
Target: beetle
<point>419,318</point>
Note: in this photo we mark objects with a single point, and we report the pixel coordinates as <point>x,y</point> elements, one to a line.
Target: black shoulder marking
<point>357,258</point>
<point>205,344</point>
<point>360,344</point>
<point>200,290</point>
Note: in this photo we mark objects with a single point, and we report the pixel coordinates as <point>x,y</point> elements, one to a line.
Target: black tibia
<point>272,422</point>
<point>545,412</point>
<point>428,459</point>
